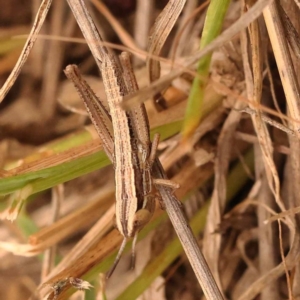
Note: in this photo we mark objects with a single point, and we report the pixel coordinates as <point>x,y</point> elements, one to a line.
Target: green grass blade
<point>46,178</point>
<point>212,27</point>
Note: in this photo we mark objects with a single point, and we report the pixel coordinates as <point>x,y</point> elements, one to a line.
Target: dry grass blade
<point>49,255</point>
<point>293,164</point>
<point>90,239</point>
<point>38,22</point>
<point>259,125</point>
<point>281,215</point>
<point>123,35</point>
<point>267,253</point>
<point>183,34</point>
<point>283,60</point>
<point>52,65</point>
<point>54,158</point>
<point>254,88</point>
<point>255,91</point>
<point>89,29</point>
<point>143,21</point>
<point>86,262</point>
<point>292,34</point>
<point>270,121</point>
<point>159,33</point>
<point>212,240</point>
<point>257,286</point>
<point>64,227</point>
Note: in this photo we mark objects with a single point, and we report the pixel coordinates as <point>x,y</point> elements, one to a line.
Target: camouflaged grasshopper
<point>126,140</point>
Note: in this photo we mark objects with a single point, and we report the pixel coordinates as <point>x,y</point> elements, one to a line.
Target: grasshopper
<point>126,142</point>
<point>131,152</point>
<point>133,207</point>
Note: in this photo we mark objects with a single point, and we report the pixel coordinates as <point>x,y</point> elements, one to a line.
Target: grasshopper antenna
<point>117,259</point>
<point>133,251</point>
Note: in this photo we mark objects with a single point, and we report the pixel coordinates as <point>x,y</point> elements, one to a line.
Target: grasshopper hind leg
<point>133,256</point>
<point>117,259</point>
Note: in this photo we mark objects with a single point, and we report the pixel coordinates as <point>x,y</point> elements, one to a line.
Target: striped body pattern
<point>126,185</point>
